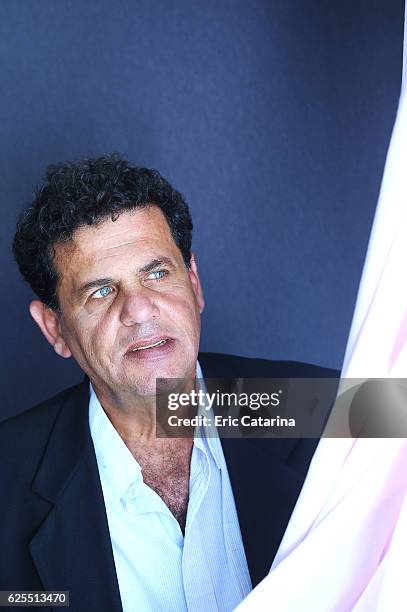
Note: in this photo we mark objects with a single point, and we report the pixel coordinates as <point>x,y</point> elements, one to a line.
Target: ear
<point>196,283</point>
<point>48,322</point>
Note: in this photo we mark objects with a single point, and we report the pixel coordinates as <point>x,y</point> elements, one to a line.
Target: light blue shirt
<point>158,568</point>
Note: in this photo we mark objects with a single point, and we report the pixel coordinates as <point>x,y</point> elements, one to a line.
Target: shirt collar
<point>118,469</point>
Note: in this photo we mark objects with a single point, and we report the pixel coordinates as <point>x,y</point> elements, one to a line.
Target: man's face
<point>130,309</point>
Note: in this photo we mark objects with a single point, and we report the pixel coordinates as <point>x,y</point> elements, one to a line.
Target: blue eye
<point>158,275</point>
<point>103,292</point>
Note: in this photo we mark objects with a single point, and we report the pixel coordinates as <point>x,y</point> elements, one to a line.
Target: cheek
<point>88,335</point>
<point>101,337</point>
<point>183,310</point>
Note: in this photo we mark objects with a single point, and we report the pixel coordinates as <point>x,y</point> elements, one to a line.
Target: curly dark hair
<point>87,193</point>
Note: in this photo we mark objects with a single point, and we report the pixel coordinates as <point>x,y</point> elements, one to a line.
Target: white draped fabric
<point>345,547</point>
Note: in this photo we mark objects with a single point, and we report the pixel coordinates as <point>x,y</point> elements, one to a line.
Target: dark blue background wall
<point>272,117</point>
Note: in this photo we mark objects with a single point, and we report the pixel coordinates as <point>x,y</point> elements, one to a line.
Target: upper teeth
<point>141,348</point>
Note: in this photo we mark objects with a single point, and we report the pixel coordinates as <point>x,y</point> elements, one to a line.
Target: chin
<point>168,376</point>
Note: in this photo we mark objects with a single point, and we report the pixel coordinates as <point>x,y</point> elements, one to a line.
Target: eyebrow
<point>156,263</point>
<point>100,282</point>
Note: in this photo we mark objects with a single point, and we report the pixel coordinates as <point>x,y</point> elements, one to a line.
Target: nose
<point>138,307</point>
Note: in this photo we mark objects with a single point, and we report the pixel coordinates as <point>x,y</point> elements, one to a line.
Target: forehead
<point>137,233</point>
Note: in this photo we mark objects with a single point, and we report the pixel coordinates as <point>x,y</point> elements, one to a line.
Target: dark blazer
<point>53,530</point>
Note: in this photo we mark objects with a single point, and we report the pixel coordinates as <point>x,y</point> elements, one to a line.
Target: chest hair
<point>166,470</point>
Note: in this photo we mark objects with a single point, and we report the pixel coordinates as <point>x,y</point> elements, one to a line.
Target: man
<point>93,502</point>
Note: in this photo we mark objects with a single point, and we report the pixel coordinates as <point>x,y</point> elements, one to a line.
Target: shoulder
<point>23,437</point>
<point>216,365</point>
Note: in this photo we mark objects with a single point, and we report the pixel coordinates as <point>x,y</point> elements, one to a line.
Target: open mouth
<point>149,346</point>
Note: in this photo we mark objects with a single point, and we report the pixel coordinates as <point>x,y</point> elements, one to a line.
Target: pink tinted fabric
<point>345,547</point>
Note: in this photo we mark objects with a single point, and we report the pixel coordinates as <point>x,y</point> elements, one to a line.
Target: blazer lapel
<point>72,549</point>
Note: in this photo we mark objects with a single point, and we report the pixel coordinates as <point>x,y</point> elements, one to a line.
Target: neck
<point>134,418</point>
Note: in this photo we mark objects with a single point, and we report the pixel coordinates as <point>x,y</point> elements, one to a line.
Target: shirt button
<point>129,506</point>
<point>133,491</point>
<point>130,496</point>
